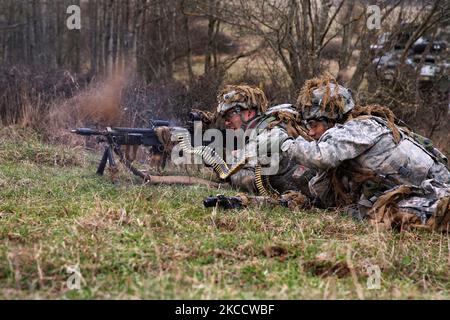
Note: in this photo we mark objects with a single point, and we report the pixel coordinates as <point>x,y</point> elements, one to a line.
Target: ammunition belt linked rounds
<point>220,166</point>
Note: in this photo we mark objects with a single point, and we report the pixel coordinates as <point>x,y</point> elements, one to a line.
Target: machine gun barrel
<point>132,130</point>
<point>115,130</point>
<point>86,132</point>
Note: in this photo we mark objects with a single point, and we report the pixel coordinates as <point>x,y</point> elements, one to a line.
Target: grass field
<point>145,242</point>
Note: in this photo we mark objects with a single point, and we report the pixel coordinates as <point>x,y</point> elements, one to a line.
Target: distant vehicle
<point>428,59</point>
<point>385,65</point>
<point>430,66</point>
<point>423,42</point>
<point>396,40</point>
<point>433,64</point>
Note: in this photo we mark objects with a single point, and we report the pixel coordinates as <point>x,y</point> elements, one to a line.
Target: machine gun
<point>115,137</point>
<point>156,137</point>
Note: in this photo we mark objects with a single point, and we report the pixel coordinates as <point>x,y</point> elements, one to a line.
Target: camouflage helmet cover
<point>324,97</point>
<point>242,96</point>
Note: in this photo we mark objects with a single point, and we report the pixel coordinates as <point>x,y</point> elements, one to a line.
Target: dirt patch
<point>20,144</point>
<point>327,269</point>
<point>275,251</point>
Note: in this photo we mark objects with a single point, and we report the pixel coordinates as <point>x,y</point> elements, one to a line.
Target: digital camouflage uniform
<point>384,171</point>
<point>273,122</point>
<point>288,174</point>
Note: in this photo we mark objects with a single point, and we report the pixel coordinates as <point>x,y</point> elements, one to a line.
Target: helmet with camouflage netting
<point>241,97</point>
<point>324,98</point>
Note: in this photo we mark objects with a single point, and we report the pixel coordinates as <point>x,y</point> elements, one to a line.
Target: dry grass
<point>22,145</point>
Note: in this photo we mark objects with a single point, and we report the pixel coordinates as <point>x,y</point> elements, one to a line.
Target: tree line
<point>169,40</point>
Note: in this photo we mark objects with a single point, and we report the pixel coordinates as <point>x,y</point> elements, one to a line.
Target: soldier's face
<point>234,120</point>
<point>316,128</point>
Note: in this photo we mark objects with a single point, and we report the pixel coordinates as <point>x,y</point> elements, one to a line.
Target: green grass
<point>158,242</point>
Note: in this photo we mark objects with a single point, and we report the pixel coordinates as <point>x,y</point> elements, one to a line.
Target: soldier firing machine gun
<point>115,137</point>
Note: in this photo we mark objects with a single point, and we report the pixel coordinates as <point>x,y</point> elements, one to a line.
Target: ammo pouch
<point>428,146</point>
